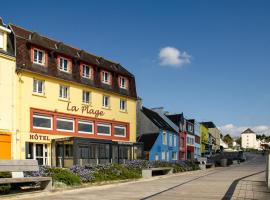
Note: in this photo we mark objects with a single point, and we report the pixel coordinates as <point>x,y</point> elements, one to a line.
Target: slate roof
<point>157,119</point>
<point>148,140</point>
<point>248,131</point>
<point>26,38</point>
<point>209,124</point>
<point>176,118</point>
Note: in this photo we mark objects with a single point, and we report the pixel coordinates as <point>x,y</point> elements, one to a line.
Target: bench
<point>17,167</point>
<point>147,173</point>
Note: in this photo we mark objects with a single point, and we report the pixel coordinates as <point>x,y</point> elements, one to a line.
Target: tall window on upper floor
<point>174,140</point>
<point>64,64</point>
<point>38,87</point>
<point>164,138</point>
<point>123,105</point>
<point>63,92</point>
<point>86,96</point>
<point>170,139</point>
<point>1,40</point>
<point>86,71</point>
<point>39,56</point>
<point>123,82</point>
<point>106,101</point>
<point>106,77</point>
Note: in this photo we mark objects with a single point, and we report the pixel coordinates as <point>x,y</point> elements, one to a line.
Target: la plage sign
<point>85,109</point>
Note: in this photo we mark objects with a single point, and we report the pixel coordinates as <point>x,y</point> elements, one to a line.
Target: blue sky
<point>217,66</point>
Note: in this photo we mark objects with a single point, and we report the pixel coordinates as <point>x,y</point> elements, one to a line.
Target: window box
<point>41,121</point>
<point>103,129</point>
<point>64,124</point>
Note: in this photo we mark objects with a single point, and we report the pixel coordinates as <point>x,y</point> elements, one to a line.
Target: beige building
<point>215,132</point>
<point>7,93</point>
<point>249,140</point>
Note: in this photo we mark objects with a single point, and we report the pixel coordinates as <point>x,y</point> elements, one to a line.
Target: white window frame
<point>43,56</point>
<point>104,125</point>
<point>103,77</point>
<point>163,155</point>
<point>174,141</point>
<point>121,109</point>
<point>168,156</point>
<point>44,117</point>
<point>103,101</point>
<point>124,86</point>
<point>156,157</point>
<point>1,40</point>
<point>67,120</point>
<point>61,68</point>
<point>35,84</point>
<point>174,153</point>
<point>164,138</point>
<point>83,97</point>
<point>121,127</point>
<point>170,140</point>
<point>89,76</point>
<point>88,123</point>
<point>60,88</point>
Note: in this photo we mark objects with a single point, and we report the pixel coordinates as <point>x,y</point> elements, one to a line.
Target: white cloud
<point>237,130</point>
<point>171,56</point>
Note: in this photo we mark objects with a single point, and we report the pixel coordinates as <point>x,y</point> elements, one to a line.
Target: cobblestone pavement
<point>244,181</point>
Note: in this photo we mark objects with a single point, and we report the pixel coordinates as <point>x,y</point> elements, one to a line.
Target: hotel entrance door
<point>37,152</point>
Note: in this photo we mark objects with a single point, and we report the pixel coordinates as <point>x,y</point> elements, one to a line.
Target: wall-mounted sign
<point>85,109</point>
<point>39,137</point>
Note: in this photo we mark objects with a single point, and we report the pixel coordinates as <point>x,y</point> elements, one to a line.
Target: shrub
<point>65,176</point>
<point>5,188</point>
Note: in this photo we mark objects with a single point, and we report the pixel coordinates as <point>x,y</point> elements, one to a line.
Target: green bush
<point>5,188</point>
<point>64,176</point>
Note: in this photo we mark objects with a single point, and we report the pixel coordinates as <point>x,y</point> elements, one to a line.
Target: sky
<point>207,59</point>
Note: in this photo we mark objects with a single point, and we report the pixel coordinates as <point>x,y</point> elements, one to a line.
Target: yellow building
<point>7,92</point>
<point>72,107</point>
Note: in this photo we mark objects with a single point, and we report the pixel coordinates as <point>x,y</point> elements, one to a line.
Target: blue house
<point>161,141</point>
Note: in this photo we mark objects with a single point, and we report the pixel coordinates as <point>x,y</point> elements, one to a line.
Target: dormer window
<point>39,56</point>
<point>64,64</point>
<point>105,77</point>
<point>86,71</point>
<point>123,82</point>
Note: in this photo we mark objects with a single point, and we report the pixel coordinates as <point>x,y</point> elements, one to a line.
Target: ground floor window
<point>37,152</point>
<point>174,155</point>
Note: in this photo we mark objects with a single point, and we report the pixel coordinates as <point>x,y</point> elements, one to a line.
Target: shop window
<point>63,124</point>
<point>42,121</point>
<point>123,105</point>
<point>63,92</point>
<point>104,151</point>
<point>85,126</point>
<point>104,129</point>
<point>86,95</point>
<point>39,56</point>
<point>38,86</point>
<point>93,151</point>
<point>68,150</point>
<point>120,131</point>
<point>84,152</point>
<point>106,102</point>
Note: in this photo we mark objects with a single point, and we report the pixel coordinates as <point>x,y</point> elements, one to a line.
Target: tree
<point>228,140</point>
<point>238,141</point>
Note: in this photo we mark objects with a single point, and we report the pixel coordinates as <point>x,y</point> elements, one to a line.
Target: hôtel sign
<point>85,109</point>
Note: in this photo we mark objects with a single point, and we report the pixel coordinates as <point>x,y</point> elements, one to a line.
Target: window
<point>105,77</point>
<point>170,139</point>
<point>190,128</point>
<point>86,97</point>
<point>106,101</point>
<point>168,156</point>
<point>1,40</point>
<point>63,64</point>
<point>84,152</point>
<point>63,92</point>
<point>38,86</point>
<point>123,105</point>
<point>163,155</point>
<point>123,82</point>
<point>68,150</point>
<point>164,138</point>
<point>174,140</point>
<point>63,124</point>
<point>174,156</point>
<point>104,129</point>
<point>39,56</point>
<point>86,71</point>
<point>85,126</point>
<point>42,121</point>
<point>156,156</point>
<point>120,131</point>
